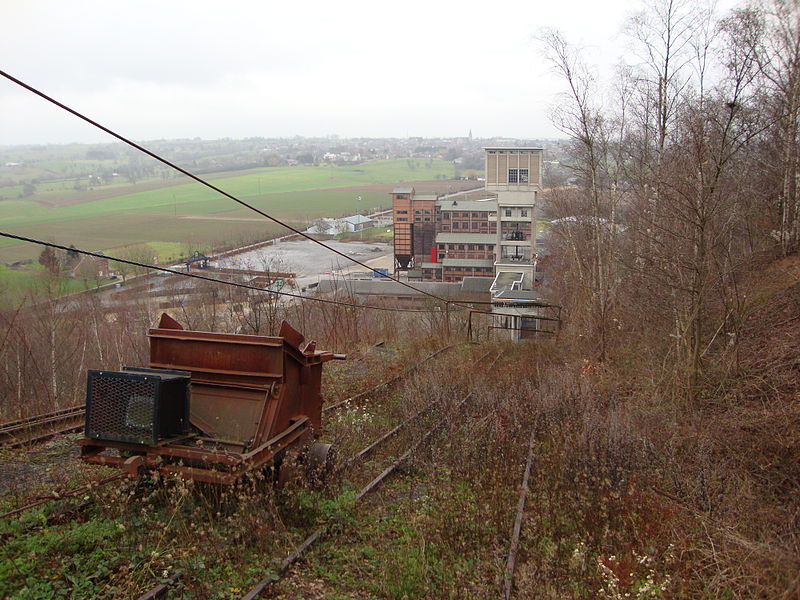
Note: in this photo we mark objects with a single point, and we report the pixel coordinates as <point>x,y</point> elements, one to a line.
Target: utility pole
<point>361,225</point>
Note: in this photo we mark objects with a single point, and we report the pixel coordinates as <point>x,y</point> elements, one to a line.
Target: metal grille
<point>122,408</point>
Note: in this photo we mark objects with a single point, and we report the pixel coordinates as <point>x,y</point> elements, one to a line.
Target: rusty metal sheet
<point>228,413</point>
<point>246,360</point>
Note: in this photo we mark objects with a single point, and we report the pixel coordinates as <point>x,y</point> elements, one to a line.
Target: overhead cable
<point>212,279</point>
<point>209,185</point>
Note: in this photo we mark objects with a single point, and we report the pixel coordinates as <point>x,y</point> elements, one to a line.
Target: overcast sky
<point>171,69</point>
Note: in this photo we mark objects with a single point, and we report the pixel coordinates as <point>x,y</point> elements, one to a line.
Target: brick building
<point>450,237</point>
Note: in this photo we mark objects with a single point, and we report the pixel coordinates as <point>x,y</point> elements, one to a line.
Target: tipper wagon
<point>210,406</point>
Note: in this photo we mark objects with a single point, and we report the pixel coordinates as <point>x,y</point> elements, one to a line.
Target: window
<point>446,215</point>
<point>401,219</point>
<point>427,219</point>
<point>455,224</point>
<point>518,176</point>
<point>508,212</point>
<point>475,215</point>
<point>402,212</point>
<point>523,212</point>
<point>474,225</point>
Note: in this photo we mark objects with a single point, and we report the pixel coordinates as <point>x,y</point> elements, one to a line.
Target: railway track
<point>387,383</point>
<point>263,586</point>
<point>39,428</point>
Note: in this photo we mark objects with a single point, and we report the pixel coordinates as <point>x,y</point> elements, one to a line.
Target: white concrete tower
<point>515,175</point>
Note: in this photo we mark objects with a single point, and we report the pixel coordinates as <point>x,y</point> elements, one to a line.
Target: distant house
<point>357,223</point>
<point>91,267</point>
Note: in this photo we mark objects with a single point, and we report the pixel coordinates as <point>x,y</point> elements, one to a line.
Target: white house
<point>357,223</point>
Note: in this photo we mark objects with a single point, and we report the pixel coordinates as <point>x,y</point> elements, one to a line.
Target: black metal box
<point>139,406</point>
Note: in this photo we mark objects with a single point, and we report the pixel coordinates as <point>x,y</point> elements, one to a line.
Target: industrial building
<point>471,246</point>
<point>446,238</point>
<point>454,238</point>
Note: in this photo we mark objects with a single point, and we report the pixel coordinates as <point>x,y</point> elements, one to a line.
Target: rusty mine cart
<point>210,407</point>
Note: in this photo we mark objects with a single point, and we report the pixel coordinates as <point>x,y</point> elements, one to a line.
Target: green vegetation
<point>190,213</point>
<point>373,234</point>
<point>16,284</point>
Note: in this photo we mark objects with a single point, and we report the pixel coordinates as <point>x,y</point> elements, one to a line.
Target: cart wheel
<point>320,462</point>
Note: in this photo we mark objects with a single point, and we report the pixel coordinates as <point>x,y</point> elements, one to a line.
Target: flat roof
<point>476,284</point>
<point>517,295</point>
<point>403,190</point>
<point>506,280</point>
<point>466,238</point>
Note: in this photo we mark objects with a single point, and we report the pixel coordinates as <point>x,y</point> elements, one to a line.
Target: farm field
<point>192,214</point>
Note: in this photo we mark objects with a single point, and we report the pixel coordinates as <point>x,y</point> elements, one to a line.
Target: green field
<point>193,214</point>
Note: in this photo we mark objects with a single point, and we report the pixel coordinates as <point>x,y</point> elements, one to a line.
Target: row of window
<point>475,215</point>
<point>446,214</point>
<point>445,247</point>
<point>475,225</point>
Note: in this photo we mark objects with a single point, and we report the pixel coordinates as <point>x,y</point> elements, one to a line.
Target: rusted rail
<point>295,555</point>
<point>62,494</point>
<point>511,561</point>
<point>41,427</point>
<point>162,587</point>
<point>262,585</point>
<point>388,382</point>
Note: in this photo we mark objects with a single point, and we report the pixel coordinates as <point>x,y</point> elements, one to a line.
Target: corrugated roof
<point>386,287</point>
<point>466,238</point>
<point>357,219</point>
<point>467,262</point>
<point>476,284</point>
<point>430,265</point>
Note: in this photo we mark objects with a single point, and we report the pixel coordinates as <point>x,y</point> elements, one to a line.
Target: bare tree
<point>594,207</point>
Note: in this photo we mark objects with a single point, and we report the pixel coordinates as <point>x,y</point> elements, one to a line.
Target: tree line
<point>686,170</point>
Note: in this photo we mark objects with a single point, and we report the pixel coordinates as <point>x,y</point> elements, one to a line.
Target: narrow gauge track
<point>388,382</point>
<point>162,587</point>
<point>516,530</point>
<point>70,493</point>
<point>263,585</point>
<point>38,428</point>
